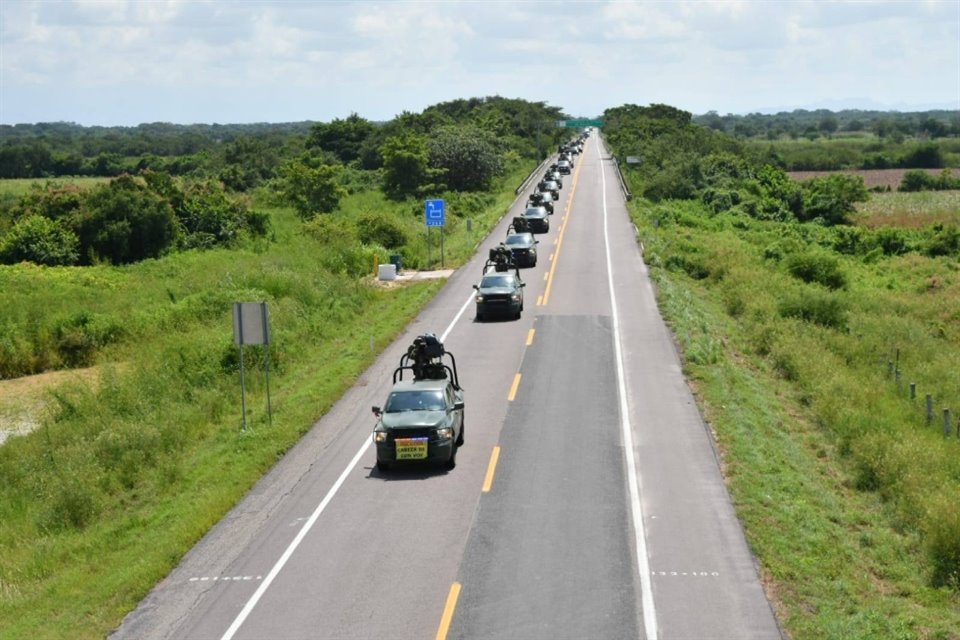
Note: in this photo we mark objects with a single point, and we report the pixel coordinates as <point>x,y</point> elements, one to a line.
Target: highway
<point>587,500</point>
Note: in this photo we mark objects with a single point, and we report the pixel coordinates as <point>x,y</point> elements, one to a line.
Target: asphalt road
<point>587,500</point>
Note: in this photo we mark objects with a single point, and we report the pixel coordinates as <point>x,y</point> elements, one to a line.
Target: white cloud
<point>317,60</point>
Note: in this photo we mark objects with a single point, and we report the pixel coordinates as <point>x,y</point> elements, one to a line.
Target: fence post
<point>929,408</point>
<point>913,390</point>
<point>897,376</point>
<point>946,423</point>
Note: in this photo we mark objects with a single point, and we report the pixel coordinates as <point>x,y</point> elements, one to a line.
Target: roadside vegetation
<point>794,306</point>
<point>132,464</point>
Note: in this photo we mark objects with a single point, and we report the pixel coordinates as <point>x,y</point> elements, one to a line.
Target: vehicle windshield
<point>400,401</point>
<point>534,211</point>
<point>519,238</point>
<point>498,280</point>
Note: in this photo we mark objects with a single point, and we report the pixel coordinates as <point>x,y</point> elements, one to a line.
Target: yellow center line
<point>530,336</point>
<point>563,228</point>
<point>540,299</point>
<point>448,611</point>
<point>491,468</point>
<point>513,388</point>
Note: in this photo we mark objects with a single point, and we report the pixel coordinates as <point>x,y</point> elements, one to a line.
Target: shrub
<point>40,240</point>
<point>381,229</point>
<point>942,541</point>
<point>830,198</point>
<point>944,242</point>
<point>817,267</point>
<point>820,307</point>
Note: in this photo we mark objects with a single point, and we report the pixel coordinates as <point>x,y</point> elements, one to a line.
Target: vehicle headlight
<point>515,296</point>
<point>379,436</point>
<point>479,298</point>
<point>445,433</point>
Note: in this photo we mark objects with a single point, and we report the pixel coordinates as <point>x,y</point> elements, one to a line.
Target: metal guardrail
<point>623,183</point>
<point>530,178</point>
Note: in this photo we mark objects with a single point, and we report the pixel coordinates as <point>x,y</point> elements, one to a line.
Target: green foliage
<point>812,305</point>
<point>342,138</point>
<point>40,240</point>
<point>248,162</point>
<point>123,222</point>
<point>312,190</point>
<point>830,199</point>
<point>818,267</point>
<point>469,156</point>
<point>920,180</point>
<point>406,167</point>
<point>381,229</point>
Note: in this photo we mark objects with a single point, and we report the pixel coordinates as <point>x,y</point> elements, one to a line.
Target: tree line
<point>158,203</point>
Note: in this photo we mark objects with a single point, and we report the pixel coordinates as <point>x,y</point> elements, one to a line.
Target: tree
<point>312,190</point>
<point>470,156</point>
<point>830,198</point>
<point>40,240</point>
<point>406,167</point>
<point>343,138</point>
<point>828,125</point>
<point>124,221</point>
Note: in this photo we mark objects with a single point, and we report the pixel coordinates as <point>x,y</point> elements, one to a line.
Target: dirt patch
<point>871,177</point>
<point>23,401</point>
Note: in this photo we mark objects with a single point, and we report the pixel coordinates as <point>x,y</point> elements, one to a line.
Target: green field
<point>131,467</point>
<point>848,496</point>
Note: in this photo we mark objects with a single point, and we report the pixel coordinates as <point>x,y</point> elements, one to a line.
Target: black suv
<point>499,293</point>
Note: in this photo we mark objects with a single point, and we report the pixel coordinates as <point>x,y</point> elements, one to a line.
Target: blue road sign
<point>435,213</point>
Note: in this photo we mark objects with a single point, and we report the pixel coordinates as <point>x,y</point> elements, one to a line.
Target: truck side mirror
<point>376,411</point>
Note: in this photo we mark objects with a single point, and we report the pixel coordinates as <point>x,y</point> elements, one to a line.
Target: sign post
<point>251,325</point>
<point>435,215</point>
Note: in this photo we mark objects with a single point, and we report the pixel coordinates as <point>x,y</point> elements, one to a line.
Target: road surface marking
<point>633,478</point>
<point>513,388</point>
<point>491,469</point>
<point>559,240</point>
<point>539,301</point>
<point>225,578</point>
<point>530,336</point>
<point>447,617</point>
<point>275,571</point>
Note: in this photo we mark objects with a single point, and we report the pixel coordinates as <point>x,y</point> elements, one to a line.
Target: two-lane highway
<point>586,503</point>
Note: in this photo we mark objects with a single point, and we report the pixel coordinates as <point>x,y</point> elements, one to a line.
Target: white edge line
<point>252,602</point>
<point>633,478</point>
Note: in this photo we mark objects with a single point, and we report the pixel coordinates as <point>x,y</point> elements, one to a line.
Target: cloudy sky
<point>126,62</point>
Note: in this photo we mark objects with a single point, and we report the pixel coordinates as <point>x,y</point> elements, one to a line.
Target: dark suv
<point>499,293</point>
<point>421,421</point>
<point>523,246</point>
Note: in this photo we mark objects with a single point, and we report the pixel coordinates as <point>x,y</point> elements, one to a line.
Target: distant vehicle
<point>564,167</point>
<point>537,219</point>
<point>541,199</point>
<point>523,246</point>
<point>499,293</point>
<point>422,420</point>
<point>551,187</point>
<point>553,174</point>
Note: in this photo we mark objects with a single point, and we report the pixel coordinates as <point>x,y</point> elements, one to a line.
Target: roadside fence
<point>946,418</point>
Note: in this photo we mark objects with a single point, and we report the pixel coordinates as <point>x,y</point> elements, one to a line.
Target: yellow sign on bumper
<point>411,448</point>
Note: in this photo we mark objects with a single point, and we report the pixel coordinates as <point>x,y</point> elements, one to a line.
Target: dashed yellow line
<point>539,301</point>
<point>513,388</point>
<point>530,337</point>
<point>448,610</point>
<point>491,468</point>
<point>559,240</point>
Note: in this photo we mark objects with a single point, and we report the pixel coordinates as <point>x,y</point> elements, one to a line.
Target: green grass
<point>848,498</point>
<point>102,501</point>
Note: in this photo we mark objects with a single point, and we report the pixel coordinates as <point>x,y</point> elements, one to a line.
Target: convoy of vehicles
<point>422,419</point>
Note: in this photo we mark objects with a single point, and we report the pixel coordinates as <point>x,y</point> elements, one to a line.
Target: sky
<point>127,62</point>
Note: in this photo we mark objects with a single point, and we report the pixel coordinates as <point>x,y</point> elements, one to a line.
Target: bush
<point>942,541</point>
<point>381,229</point>
<point>830,199</point>
<point>817,267</point>
<point>820,307</point>
<point>40,240</point>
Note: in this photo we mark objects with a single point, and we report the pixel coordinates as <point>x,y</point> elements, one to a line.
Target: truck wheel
<point>382,466</point>
<point>459,441</point>
<point>452,462</point>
